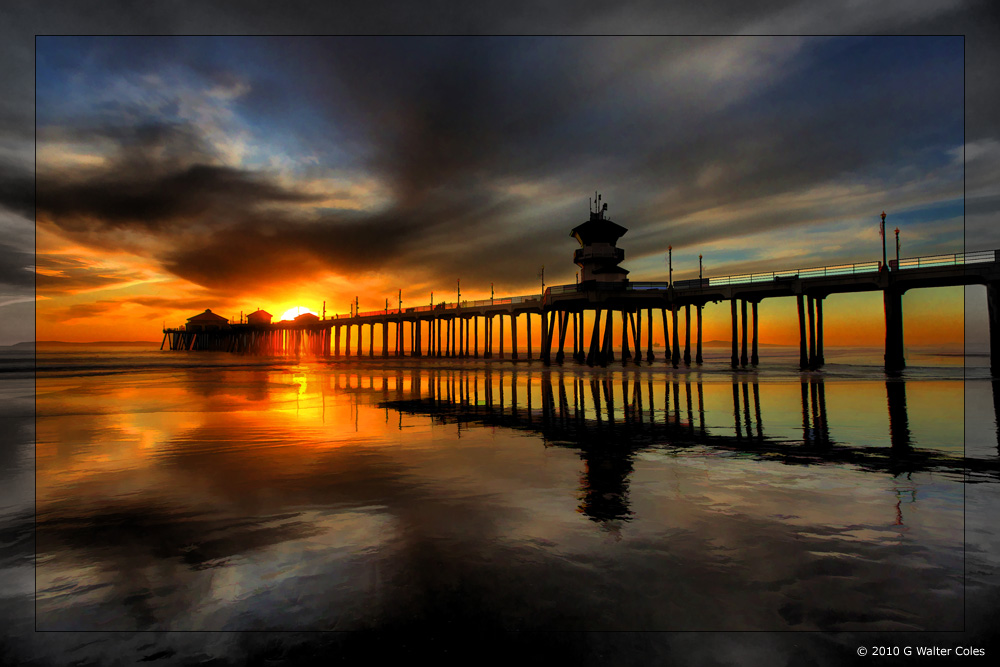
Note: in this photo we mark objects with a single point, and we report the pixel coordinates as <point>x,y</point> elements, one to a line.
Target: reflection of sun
<point>292,313</point>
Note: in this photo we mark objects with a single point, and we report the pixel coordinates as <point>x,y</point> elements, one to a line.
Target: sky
<point>174,174</point>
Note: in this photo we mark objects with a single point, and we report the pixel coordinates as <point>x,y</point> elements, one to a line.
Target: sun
<point>292,313</point>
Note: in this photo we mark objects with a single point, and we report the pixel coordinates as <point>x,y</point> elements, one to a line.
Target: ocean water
<point>274,504</point>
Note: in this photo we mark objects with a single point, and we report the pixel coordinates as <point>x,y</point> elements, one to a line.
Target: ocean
<point>201,507</point>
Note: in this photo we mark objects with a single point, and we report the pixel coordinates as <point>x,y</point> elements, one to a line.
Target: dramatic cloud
<point>241,164</point>
<point>15,267</point>
<point>453,131</point>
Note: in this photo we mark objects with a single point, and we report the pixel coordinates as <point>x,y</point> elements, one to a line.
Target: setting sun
<point>292,313</point>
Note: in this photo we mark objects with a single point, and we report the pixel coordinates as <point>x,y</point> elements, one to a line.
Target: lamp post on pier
<point>881,232</point>
<point>897,248</point>
<point>670,266</point>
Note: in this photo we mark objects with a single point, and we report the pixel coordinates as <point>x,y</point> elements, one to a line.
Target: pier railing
<point>961,258</point>
<point>974,257</point>
<point>926,261</point>
<point>444,306</point>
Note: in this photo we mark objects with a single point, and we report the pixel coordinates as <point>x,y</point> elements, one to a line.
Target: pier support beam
<point>743,333</point>
<point>513,336</point>
<point>527,318</point>
<point>754,359</point>
<point>563,327</point>
<point>635,319</point>
<point>676,358</point>
<point>893,300</point>
<point>687,334</point>
<point>734,361</point>
<point>595,337</point>
<point>626,352</point>
<point>666,336</point>
<point>548,330</point>
<point>500,348</point>
<point>811,308</point>
<point>820,360</point>
<point>993,306</point>
<point>607,354</point>
<point>803,355</point>
<point>649,335</point>
<point>576,336</point>
<point>489,330</point>
<point>697,357</point>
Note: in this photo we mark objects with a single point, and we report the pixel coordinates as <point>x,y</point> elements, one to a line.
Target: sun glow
<point>292,313</point>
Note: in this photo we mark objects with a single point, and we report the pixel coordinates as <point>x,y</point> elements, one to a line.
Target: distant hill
<point>98,343</point>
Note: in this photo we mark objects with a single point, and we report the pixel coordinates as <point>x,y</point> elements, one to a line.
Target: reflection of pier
<point>608,419</point>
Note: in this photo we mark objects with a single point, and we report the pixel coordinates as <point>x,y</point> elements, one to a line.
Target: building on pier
<point>207,321</point>
<point>306,319</point>
<point>259,317</point>
<point>598,257</point>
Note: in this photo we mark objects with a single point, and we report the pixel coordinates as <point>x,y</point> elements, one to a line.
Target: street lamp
<point>881,232</point>
<point>670,265</point>
<point>699,267</point>
<point>897,248</point>
<point>458,282</point>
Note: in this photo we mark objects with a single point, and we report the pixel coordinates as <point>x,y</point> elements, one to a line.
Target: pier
<point>641,309</point>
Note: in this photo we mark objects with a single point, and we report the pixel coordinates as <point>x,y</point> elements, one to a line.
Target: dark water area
<point>300,510</point>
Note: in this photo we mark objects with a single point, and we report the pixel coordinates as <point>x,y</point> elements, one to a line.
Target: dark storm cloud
<point>267,250</point>
<point>17,190</point>
<point>440,121</point>
<point>15,267</point>
<point>449,126</point>
<point>154,179</point>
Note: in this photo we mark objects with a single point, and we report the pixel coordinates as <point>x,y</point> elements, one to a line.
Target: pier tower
<point>597,256</point>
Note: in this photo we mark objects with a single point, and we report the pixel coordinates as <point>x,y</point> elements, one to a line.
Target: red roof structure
<point>259,317</point>
<point>206,321</point>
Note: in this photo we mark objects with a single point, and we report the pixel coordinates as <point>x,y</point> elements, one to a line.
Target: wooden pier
<point>451,330</point>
